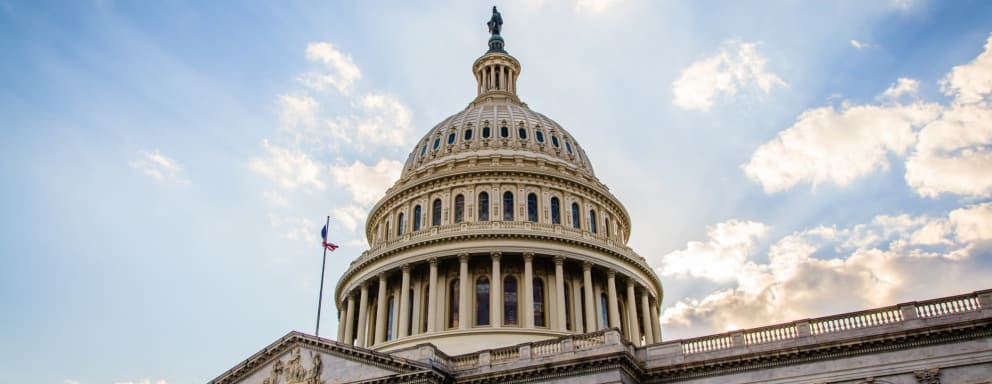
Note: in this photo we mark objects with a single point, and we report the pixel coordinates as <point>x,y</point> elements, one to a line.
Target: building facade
<point>498,256</point>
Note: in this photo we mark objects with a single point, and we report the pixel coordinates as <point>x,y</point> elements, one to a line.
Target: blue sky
<point>166,167</point>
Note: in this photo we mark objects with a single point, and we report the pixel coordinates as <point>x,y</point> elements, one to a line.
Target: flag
<point>323,235</point>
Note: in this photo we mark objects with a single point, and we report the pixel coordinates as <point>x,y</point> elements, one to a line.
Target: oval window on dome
<point>504,131</point>
<point>485,132</point>
<point>451,138</point>
<point>554,141</point>
<point>468,134</point>
<point>423,150</point>
<point>539,136</point>
<point>522,133</point>
<point>437,143</point>
<point>568,147</point>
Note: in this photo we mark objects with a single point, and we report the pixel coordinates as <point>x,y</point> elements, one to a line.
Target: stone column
<point>349,319</point>
<point>464,314</point>
<point>404,302</point>
<point>363,310</point>
<point>380,311</point>
<point>341,315</point>
<point>655,322</point>
<point>646,318</point>
<point>632,327</point>
<point>432,297</point>
<point>496,293</point>
<point>590,306</point>
<point>528,290</point>
<point>560,291</point>
<point>418,296</point>
<point>611,296</point>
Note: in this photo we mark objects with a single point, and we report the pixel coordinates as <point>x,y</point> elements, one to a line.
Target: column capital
<point>559,260</point>
<point>495,255</point>
<point>463,257</point>
<point>611,273</point>
<point>433,261</point>
<point>406,268</point>
<point>382,276</point>
<point>528,256</point>
<point>586,266</point>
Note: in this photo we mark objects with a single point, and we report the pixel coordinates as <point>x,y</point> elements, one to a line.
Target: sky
<point>166,166</point>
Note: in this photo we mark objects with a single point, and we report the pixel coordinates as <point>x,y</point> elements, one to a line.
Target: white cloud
<point>289,169</point>
<point>69,381</point>
<point>860,45</point>
<point>159,167</point>
<point>145,381</point>
<point>343,71</point>
<point>903,86</point>
<point>953,154</point>
<point>295,229</point>
<point>298,111</point>
<point>387,121</point>
<point>721,258</point>
<point>972,82</point>
<point>830,146</point>
<point>352,217</point>
<point>367,183</point>
<point>827,270</point>
<point>737,66</point>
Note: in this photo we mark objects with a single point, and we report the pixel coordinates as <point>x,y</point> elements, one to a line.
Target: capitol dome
<point>497,233</point>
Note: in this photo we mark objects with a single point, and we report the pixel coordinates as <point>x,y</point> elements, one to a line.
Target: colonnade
<point>496,77</point>
<point>460,293</point>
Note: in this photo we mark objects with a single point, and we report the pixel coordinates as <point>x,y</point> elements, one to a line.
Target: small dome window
<point>539,135</point>
<point>522,133</point>
<point>568,147</point>
<point>437,143</point>
<point>468,134</point>
<point>504,131</point>
<point>423,150</point>
<point>554,141</point>
<point>451,138</point>
<point>485,132</point>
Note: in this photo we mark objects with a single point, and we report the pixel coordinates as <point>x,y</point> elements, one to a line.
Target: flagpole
<point>320,296</point>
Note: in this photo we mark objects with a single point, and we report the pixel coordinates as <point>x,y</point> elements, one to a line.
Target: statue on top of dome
<point>495,23</point>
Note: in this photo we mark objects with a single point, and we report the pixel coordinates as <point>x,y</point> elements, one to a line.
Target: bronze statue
<point>495,23</point>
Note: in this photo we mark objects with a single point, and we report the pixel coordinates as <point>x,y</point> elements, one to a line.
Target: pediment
<point>298,358</point>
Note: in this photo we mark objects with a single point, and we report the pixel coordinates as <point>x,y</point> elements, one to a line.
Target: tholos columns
<point>496,293</point>
<point>560,292</point>
<point>646,319</point>
<point>655,322</point>
<point>587,287</point>
<point>464,315</point>
<point>635,333</point>
<point>432,297</point>
<point>380,311</point>
<point>528,290</point>
<point>363,310</point>
<point>349,320</point>
<point>404,302</point>
<point>611,286</point>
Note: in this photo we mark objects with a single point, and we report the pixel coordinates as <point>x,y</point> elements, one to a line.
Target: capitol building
<point>499,256</point>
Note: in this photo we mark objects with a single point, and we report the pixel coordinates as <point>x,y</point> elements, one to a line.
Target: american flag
<point>323,235</point>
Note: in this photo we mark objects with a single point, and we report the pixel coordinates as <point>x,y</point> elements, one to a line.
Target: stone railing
<point>525,353</point>
<point>796,330</point>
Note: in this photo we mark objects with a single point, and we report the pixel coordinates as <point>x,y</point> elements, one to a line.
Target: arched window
<point>576,219</point>
<point>459,208</point>
<point>468,135</point>
<point>504,132</point>
<point>568,307</point>
<point>416,218</point>
<point>485,132</point>
<point>507,206</point>
<point>606,226</point>
<point>399,224</point>
<point>453,304</point>
<point>522,132</point>
<point>387,230</point>
<point>592,220</point>
<point>510,300</point>
<point>539,303</point>
<point>532,207</point>
<point>391,317</point>
<point>603,308</point>
<point>482,301</point>
<point>427,307</point>
<point>555,211</point>
<point>436,214</point>
<point>451,138</point>
<point>484,206</point>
